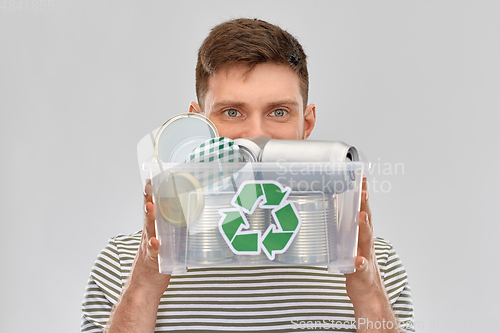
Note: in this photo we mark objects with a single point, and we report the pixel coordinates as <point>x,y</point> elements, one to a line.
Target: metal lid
<point>180,198</point>
<point>251,148</point>
<point>180,135</point>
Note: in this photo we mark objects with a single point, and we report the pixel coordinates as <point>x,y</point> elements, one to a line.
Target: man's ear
<point>309,120</point>
<point>194,108</point>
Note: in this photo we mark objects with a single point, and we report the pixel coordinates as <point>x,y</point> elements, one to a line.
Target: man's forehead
<point>269,82</point>
<point>239,70</point>
<point>243,71</point>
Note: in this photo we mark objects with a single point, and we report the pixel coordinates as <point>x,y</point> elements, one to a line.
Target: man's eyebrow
<point>220,104</point>
<point>226,103</point>
<point>291,102</point>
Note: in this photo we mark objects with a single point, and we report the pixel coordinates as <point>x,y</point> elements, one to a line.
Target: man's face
<point>265,101</point>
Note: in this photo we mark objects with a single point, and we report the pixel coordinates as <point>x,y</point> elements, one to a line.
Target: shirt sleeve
<point>103,289</point>
<point>396,283</point>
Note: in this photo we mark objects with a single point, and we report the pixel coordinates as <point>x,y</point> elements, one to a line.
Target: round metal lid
<point>180,135</point>
<point>180,198</point>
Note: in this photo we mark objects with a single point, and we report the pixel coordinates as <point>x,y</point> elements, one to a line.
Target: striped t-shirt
<point>250,299</point>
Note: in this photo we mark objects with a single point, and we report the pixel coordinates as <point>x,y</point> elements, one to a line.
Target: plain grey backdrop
<point>414,85</point>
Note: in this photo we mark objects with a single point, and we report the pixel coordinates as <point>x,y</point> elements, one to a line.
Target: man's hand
<point>145,272</point>
<point>138,304</point>
<point>365,287</point>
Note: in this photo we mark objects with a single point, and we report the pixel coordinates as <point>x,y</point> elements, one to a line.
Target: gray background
<point>413,84</point>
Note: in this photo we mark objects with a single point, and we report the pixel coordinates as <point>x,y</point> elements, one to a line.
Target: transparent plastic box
<point>256,214</point>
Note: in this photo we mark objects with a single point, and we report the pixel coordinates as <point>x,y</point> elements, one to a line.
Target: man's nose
<point>255,127</point>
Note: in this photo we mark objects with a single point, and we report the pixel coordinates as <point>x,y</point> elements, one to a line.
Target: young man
<point>251,79</point>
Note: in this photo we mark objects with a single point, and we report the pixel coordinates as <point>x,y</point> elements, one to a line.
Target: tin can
<point>251,148</point>
<point>258,221</point>
<point>265,149</point>
<point>306,157</point>
<point>308,151</point>
<point>316,242</point>
<point>205,245</point>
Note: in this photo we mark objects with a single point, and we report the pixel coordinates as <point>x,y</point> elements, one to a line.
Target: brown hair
<point>249,42</point>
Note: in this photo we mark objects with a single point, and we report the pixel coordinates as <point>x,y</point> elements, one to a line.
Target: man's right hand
<point>138,304</point>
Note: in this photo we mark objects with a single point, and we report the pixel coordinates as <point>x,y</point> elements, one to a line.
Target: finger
<point>365,237</point>
<point>148,192</point>
<point>153,247</point>
<point>365,206</point>
<point>149,220</point>
<point>361,264</point>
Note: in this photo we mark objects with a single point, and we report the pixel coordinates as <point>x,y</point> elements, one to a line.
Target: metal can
<point>251,148</point>
<point>205,245</point>
<point>265,149</point>
<point>300,154</point>
<point>316,242</point>
<point>308,151</point>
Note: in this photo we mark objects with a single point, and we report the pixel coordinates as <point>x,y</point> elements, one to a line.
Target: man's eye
<point>278,113</point>
<point>232,113</point>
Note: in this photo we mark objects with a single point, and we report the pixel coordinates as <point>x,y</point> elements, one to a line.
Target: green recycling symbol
<point>266,194</point>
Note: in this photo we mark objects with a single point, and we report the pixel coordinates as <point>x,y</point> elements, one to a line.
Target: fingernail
<point>366,218</point>
<point>366,195</point>
<point>150,244</point>
<point>362,263</point>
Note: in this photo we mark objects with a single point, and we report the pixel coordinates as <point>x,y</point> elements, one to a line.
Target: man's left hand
<point>365,287</point>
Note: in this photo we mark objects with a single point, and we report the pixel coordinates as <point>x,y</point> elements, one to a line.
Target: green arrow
<point>287,218</point>
<point>276,241</point>
<point>248,196</point>
<point>277,237</point>
<point>246,242</point>
<point>274,195</point>
<point>231,223</point>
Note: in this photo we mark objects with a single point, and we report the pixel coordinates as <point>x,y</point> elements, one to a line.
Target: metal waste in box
<point>256,213</point>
